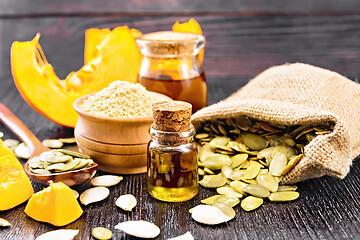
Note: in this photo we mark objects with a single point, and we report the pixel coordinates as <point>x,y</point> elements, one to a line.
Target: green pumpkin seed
<point>213,181</point>
<point>67,140</point>
<point>278,164</point>
<point>72,153</point>
<point>292,163</point>
<point>226,209</point>
<point>4,223</point>
<point>254,141</point>
<point>283,196</point>
<point>238,186</point>
<point>252,171</point>
<point>257,190</point>
<point>202,135</point>
<point>238,159</point>
<point>70,165</point>
<point>226,171</point>
<point>40,171</point>
<point>101,233</point>
<point>268,181</point>
<point>244,123</point>
<point>237,174</point>
<point>58,159</point>
<point>217,161</point>
<point>228,191</point>
<point>220,142</point>
<point>210,200</point>
<point>287,150</point>
<point>284,188</point>
<point>248,181</point>
<point>83,163</point>
<point>52,143</point>
<point>35,162</point>
<point>205,152</point>
<point>11,142</point>
<point>56,167</point>
<point>251,203</point>
<point>228,199</point>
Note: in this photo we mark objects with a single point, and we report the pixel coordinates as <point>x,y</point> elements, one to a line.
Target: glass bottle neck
<point>172,138</point>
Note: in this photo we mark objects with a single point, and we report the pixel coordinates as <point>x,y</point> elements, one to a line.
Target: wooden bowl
<point>110,148</point>
<point>117,163</point>
<point>69,178</point>
<point>113,130</point>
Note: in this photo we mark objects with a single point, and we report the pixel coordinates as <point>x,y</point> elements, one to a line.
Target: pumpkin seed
<point>106,180</point>
<point>213,181</point>
<point>231,200</point>
<point>268,181</point>
<point>67,140</point>
<point>101,233</point>
<point>65,234</point>
<point>141,229</point>
<point>248,181</point>
<point>257,190</point>
<point>72,153</point>
<point>71,164</point>
<point>43,156</point>
<point>254,141</point>
<point>11,142</point>
<point>284,188</point>
<point>226,171</point>
<point>52,143</point>
<point>201,172</point>
<point>210,200</point>
<point>40,171</point>
<point>83,163</point>
<point>202,135</point>
<point>95,194</point>
<point>238,186</point>
<point>238,159</point>
<point>22,151</point>
<point>287,150</point>
<point>4,223</point>
<point>208,171</point>
<point>76,194</point>
<point>267,127</point>
<point>237,174</point>
<point>252,171</point>
<point>228,191</point>
<point>1,134</point>
<point>244,123</point>
<point>56,167</point>
<point>220,142</point>
<point>35,162</point>
<point>264,171</point>
<point>205,152</point>
<point>186,236</point>
<point>226,209</point>
<point>210,215</point>
<point>283,196</point>
<point>58,159</point>
<point>217,161</point>
<point>292,163</point>
<point>245,165</point>
<point>126,202</point>
<point>278,164</point>
<point>265,153</point>
<point>251,203</point>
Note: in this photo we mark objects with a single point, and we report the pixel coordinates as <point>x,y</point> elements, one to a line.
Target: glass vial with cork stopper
<point>172,153</point>
<point>172,66</point>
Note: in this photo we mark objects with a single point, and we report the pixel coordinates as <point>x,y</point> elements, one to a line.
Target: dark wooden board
<point>10,8</point>
<point>238,48</point>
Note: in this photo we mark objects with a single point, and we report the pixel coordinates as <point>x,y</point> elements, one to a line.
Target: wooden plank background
<point>243,38</point>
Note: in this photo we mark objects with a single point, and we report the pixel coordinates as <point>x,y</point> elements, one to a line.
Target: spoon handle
<point>18,127</point>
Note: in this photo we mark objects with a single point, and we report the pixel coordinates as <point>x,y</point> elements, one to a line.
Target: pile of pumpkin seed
<point>59,160</point>
<point>244,157</point>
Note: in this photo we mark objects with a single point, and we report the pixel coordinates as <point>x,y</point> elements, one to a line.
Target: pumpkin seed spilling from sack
<point>101,233</point>
<point>106,180</point>
<point>126,202</point>
<point>65,234</point>
<point>59,160</point>
<point>245,156</point>
<point>4,223</point>
<point>141,229</point>
<point>95,194</point>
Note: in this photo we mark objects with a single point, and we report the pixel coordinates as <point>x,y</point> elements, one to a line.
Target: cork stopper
<point>168,43</point>
<point>172,116</point>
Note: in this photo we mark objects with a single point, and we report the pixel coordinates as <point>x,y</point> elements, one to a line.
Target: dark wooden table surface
<point>243,38</point>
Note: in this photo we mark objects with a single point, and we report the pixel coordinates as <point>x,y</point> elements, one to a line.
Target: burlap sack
<point>295,94</point>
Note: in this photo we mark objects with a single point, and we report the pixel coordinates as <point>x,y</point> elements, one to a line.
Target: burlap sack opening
<point>298,94</point>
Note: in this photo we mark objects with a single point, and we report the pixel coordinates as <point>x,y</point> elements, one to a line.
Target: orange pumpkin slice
<point>55,204</point>
<point>15,186</point>
<point>115,58</point>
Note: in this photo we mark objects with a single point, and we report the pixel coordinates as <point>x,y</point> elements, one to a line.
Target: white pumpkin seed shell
<point>76,194</point>
<point>11,142</point>
<point>209,215</point>
<point>95,194</point>
<point>63,234</point>
<point>106,180</point>
<point>67,140</point>
<point>126,202</point>
<point>4,223</point>
<point>22,151</point>
<point>52,143</point>
<point>141,229</point>
<point>186,236</point>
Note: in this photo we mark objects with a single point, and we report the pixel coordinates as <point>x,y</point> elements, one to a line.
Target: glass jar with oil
<point>172,153</point>
<point>172,65</point>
